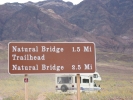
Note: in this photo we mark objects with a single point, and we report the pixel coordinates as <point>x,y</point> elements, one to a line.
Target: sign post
<point>26,86</point>
<point>78,86</point>
<point>53,57</point>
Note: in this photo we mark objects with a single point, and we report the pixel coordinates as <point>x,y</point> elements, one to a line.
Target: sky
<point>23,1</point>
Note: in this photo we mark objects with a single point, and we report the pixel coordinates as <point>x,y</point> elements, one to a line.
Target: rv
<point>67,83</point>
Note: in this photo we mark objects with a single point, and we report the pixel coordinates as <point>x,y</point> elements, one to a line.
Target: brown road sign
<point>54,57</point>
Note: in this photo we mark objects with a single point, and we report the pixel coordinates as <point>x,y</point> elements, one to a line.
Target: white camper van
<point>67,83</point>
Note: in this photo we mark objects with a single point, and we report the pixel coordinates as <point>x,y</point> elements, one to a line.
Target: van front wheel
<point>64,88</point>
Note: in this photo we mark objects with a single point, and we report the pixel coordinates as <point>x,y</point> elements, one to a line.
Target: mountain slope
<point>109,21</point>
<point>91,16</point>
<point>6,11</point>
<point>100,17</point>
<point>32,23</point>
<point>58,6</point>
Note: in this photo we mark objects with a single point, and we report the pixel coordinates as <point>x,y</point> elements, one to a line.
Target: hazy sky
<point>23,1</point>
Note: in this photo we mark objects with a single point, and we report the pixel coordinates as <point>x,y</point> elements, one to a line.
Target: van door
<point>85,83</point>
<point>91,82</point>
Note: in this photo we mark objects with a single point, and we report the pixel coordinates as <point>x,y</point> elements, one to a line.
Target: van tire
<point>64,88</point>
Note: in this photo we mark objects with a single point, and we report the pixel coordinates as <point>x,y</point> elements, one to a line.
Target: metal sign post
<point>78,86</point>
<point>26,86</point>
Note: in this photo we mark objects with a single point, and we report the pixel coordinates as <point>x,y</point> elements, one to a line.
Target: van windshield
<point>61,80</point>
<point>95,76</point>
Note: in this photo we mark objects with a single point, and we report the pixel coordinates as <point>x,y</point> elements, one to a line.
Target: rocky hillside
<point>108,23</point>
<point>102,18</point>
<point>58,6</point>
<point>33,23</point>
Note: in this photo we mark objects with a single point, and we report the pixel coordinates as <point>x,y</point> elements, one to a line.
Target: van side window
<point>85,80</point>
<point>61,80</point>
<point>76,79</point>
<point>91,80</point>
